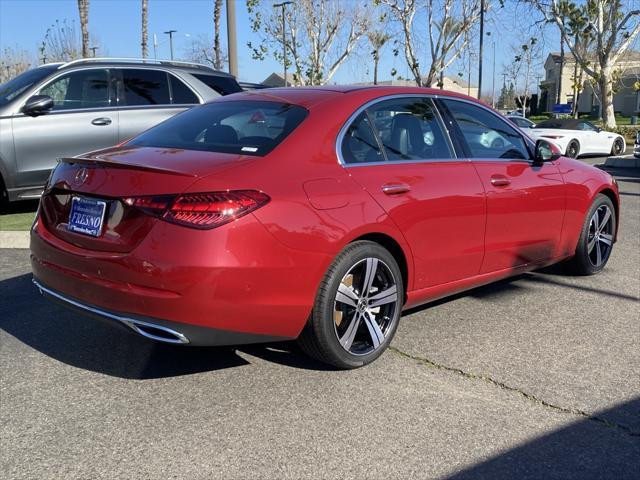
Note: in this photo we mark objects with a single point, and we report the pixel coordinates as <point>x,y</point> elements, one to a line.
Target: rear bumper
<point>158,329</point>
<point>231,285</point>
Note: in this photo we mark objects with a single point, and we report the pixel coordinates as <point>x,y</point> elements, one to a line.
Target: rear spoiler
<point>111,164</point>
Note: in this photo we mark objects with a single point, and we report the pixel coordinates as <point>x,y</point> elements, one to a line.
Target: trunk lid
<point>112,175</point>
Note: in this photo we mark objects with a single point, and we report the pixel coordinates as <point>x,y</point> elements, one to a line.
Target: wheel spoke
<point>350,334</point>
<point>386,296</point>
<point>347,296</point>
<point>605,219</point>
<point>591,244</point>
<point>598,254</point>
<point>596,221</point>
<point>377,337</point>
<point>372,267</point>
<point>606,238</point>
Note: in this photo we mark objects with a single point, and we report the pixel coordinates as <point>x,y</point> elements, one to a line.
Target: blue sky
<point>116,25</point>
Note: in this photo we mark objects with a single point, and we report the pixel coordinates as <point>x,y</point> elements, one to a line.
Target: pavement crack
<point>528,396</point>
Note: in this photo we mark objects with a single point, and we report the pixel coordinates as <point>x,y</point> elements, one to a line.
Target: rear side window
<point>180,93</point>
<point>359,144</point>
<point>409,130</point>
<point>144,87</point>
<point>486,135</point>
<point>222,85</point>
<point>242,127</point>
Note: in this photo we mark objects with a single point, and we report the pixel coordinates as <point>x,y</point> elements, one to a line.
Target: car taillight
<point>200,210</point>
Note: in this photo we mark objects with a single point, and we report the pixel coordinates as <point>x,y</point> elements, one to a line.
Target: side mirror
<point>37,105</point>
<point>546,152</point>
<point>599,129</point>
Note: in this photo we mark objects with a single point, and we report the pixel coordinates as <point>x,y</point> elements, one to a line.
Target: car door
<point>525,201</point>
<point>83,118</point>
<point>398,150</point>
<point>147,97</point>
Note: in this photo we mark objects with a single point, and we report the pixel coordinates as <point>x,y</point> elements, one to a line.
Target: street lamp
<point>283,5</point>
<point>493,85</point>
<point>170,33</point>
<point>156,44</point>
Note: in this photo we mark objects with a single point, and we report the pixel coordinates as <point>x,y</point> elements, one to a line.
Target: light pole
<point>283,5</point>
<point>93,51</point>
<point>170,33</point>
<point>231,37</point>
<point>481,48</point>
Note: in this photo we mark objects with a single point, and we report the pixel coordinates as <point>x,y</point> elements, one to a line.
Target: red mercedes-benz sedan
<point>312,213</point>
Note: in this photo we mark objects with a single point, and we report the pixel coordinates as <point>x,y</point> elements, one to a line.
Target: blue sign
<point>562,108</point>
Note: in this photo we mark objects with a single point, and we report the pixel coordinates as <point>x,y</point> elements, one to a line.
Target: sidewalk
<point>14,239</point>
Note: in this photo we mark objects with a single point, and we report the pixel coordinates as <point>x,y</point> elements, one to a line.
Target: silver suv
<point>63,110</point>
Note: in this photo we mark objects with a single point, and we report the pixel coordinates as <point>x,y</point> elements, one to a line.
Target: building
<point>449,83</point>
<point>277,80</point>
<point>625,100</point>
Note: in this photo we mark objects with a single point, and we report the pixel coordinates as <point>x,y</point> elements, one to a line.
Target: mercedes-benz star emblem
<point>81,176</point>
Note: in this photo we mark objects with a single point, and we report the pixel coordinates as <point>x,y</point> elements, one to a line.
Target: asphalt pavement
<point>533,377</point>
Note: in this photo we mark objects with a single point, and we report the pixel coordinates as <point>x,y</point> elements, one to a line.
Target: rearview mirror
<point>37,105</point>
<point>546,152</point>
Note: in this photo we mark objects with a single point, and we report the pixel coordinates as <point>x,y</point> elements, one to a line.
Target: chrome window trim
<point>354,115</point>
<point>527,141</point>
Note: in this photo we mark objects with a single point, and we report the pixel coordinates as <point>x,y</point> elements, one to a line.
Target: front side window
<point>587,127</point>
<point>242,127</point>
<point>80,89</point>
<point>409,130</point>
<point>144,87</point>
<point>359,144</point>
<point>486,135</point>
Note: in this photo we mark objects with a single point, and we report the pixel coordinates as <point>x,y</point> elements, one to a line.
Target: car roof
<point>187,67</point>
<point>310,96</point>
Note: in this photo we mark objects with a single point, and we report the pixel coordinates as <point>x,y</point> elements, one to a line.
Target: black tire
<point>583,262</point>
<point>618,147</point>
<point>4,196</point>
<point>320,338</point>
<point>573,149</point>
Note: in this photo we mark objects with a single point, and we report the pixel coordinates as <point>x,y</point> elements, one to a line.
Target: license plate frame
<point>87,216</point>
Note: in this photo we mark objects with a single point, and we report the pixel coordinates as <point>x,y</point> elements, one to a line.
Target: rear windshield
<point>222,85</point>
<point>242,127</point>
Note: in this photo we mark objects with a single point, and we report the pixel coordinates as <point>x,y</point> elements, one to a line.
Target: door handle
<point>101,121</point>
<point>500,181</point>
<point>395,188</point>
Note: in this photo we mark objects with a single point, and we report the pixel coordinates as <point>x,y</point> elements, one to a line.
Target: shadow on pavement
<point>22,206</point>
<point>111,349</point>
<point>583,450</point>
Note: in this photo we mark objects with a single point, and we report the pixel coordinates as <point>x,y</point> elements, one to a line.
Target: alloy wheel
<point>618,146</point>
<point>365,307</point>
<point>600,236</point>
<point>572,151</point>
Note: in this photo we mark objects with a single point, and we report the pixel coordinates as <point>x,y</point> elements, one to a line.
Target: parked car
<point>62,110</point>
<point>323,224</point>
<point>521,121</point>
<point>577,137</point>
<point>636,147</point>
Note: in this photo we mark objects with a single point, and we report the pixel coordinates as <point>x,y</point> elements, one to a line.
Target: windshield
<point>241,127</point>
<point>17,85</point>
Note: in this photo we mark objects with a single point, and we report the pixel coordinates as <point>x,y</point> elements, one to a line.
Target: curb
<point>628,161</point>
<point>14,239</point>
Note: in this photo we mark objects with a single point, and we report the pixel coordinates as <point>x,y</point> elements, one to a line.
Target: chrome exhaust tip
<point>146,329</point>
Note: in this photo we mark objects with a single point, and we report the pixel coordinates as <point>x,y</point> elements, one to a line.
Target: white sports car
<point>577,137</point>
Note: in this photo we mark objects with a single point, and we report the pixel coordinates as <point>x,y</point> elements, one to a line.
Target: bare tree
<point>377,40</point>
<point>145,29</point>
<point>13,61</point>
<point>60,43</point>
<point>528,54</point>
<point>201,50</point>
<point>218,62</point>
<point>320,35</point>
<point>83,10</point>
<point>614,30</point>
<point>448,25</point>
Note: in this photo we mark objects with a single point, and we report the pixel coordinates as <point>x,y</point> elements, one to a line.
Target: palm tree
<point>145,24</point>
<point>217,52</point>
<point>377,39</point>
<point>83,9</point>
